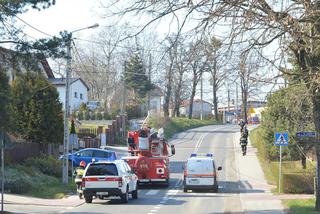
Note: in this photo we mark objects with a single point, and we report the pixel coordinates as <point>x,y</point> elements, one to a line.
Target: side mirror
<point>219,168</point>
<point>173,150</point>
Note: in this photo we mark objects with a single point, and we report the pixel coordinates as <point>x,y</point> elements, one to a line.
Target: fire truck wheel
<point>166,183</point>
<point>88,199</point>
<point>125,197</point>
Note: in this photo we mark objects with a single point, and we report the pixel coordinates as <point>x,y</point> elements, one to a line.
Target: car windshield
<point>102,169</point>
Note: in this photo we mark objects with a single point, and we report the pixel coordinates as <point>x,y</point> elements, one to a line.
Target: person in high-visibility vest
<point>78,173</point>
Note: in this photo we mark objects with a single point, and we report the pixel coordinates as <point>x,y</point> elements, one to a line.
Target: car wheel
<point>135,193</point>
<point>88,199</point>
<point>185,189</point>
<point>125,196</point>
<point>215,188</point>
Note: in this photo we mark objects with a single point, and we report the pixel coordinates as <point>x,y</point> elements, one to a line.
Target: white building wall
<point>196,111</point>
<point>78,95</point>
<point>75,102</point>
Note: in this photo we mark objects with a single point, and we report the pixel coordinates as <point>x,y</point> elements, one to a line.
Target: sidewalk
<point>71,201</point>
<point>255,192</point>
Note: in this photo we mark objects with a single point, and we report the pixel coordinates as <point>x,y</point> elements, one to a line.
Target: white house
<point>156,99</point>
<point>78,91</point>
<point>196,110</point>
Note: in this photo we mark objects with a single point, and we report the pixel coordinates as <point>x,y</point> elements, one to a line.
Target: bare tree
<point>215,64</point>
<point>197,62</point>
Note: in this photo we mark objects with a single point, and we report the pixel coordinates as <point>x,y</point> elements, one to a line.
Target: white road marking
<point>152,192</point>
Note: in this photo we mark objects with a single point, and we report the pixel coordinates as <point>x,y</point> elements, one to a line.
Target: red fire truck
<point>148,155</point>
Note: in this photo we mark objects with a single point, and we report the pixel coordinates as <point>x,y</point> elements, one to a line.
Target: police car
<point>200,173</point>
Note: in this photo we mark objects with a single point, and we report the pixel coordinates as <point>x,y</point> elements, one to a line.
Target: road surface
<point>222,141</point>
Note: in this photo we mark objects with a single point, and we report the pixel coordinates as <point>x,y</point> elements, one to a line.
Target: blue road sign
<point>306,134</point>
<point>281,139</point>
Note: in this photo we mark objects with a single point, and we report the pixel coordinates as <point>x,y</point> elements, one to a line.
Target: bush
<point>133,111</point>
<point>298,183</point>
<point>46,164</point>
<point>80,115</point>
<point>106,115</point>
<point>86,115</point>
<point>17,181</point>
<point>99,115</point>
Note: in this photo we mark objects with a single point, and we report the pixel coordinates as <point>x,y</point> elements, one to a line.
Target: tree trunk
<point>194,86</point>
<point>177,99</point>
<point>215,102</point>
<point>316,120</point>
<point>303,162</point>
<point>167,94</point>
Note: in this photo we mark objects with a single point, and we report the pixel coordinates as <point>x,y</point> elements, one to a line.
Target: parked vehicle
<point>200,173</point>
<point>108,179</point>
<point>92,105</point>
<point>88,154</point>
<point>149,156</point>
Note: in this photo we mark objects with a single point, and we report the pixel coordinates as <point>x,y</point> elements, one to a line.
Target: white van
<point>200,173</point>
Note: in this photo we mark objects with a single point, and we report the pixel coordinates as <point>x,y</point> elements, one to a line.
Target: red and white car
<point>108,179</point>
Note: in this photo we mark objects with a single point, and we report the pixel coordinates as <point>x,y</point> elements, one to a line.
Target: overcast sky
<point>70,15</point>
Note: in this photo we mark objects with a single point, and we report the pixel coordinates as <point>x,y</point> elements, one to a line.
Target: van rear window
<point>102,169</point>
<point>200,166</point>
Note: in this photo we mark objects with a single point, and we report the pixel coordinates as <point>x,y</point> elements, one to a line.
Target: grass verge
<point>178,124</point>
<point>300,206</point>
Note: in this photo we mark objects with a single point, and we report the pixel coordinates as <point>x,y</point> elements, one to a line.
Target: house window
<point>75,95</point>
<point>81,96</point>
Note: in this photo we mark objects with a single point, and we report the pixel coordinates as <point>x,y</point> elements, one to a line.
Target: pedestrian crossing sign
<point>281,139</point>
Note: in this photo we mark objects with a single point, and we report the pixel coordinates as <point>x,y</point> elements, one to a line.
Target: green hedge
<point>295,179</point>
<point>298,183</point>
<point>46,164</point>
<point>178,124</point>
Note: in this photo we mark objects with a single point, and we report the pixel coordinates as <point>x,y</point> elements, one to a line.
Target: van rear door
<point>200,171</point>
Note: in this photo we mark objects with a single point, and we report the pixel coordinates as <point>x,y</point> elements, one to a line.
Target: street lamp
<point>66,110</point>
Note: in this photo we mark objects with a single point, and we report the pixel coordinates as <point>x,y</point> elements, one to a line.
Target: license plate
<point>194,181</point>
<point>102,193</point>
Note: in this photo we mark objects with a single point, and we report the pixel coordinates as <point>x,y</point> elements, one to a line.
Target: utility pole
<point>228,99</point>
<point>66,116</point>
<point>201,113</point>
<point>149,77</point>
<point>237,119</point>
<point>65,161</point>
<point>2,168</point>
<point>123,106</point>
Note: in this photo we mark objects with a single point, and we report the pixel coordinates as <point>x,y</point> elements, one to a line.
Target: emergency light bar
<point>201,155</point>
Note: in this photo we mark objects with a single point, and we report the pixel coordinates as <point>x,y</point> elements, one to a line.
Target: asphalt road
<point>218,140</point>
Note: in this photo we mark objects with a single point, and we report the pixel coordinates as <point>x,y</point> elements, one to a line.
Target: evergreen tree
<point>37,111</point>
<point>4,100</point>
<point>136,78</point>
<point>72,128</point>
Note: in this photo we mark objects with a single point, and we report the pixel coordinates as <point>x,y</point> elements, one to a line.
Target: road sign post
<point>281,139</point>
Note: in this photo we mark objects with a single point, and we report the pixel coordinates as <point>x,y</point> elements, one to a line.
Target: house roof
<point>62,81</point>
<point>156,92</point>
<point>187,102</point>
<point>45,65</point>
